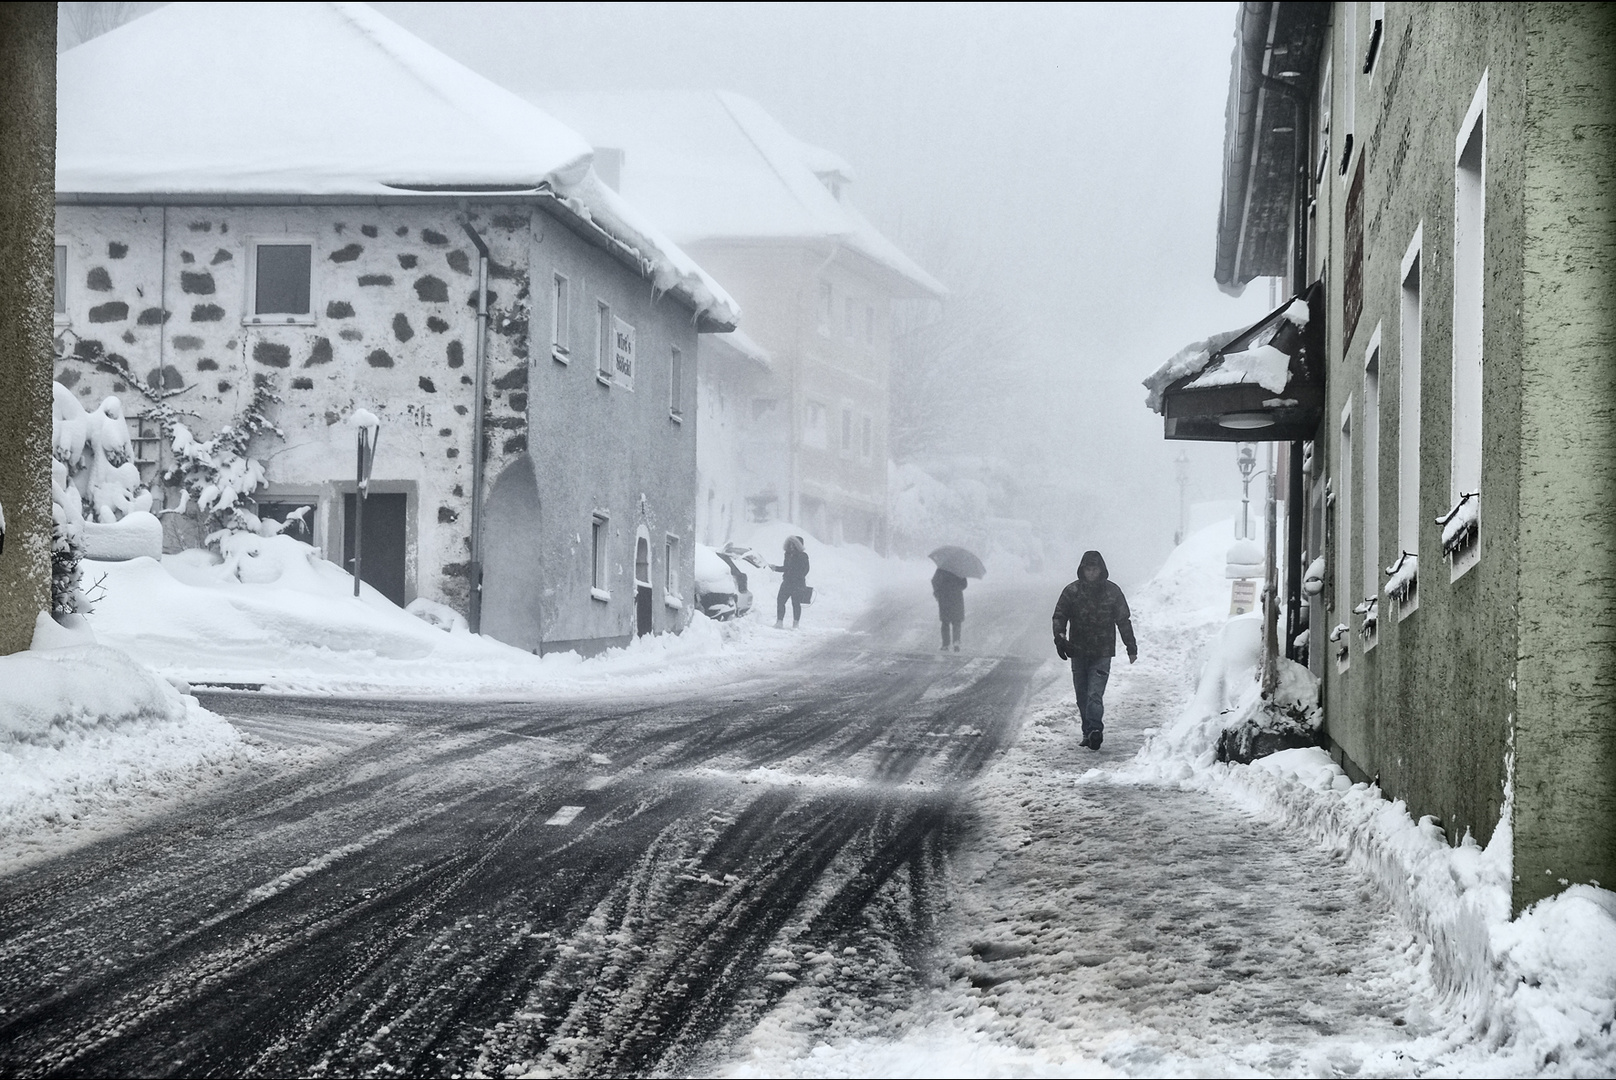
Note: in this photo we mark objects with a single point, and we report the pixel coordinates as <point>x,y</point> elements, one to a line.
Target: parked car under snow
<point>722,591</point>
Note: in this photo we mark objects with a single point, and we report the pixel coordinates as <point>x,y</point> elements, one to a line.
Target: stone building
<point>1445,171</point>
<point>301,201</point>
<point>799,406</point>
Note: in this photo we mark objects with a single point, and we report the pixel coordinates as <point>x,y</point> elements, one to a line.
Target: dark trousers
<point>1089,676</point>
<point>788,592</point>
<point>953,626</point>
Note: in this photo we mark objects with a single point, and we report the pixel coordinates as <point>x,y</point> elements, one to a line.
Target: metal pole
<point>359,510</point>
<point>478,379</point>
<point>1270,678</point>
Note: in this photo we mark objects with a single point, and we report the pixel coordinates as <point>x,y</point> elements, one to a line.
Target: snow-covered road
<point>1105,923</point>
<point>585,887</point>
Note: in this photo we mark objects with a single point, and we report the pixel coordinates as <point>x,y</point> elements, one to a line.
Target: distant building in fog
<point>283,197</point>
<point>793,413</point>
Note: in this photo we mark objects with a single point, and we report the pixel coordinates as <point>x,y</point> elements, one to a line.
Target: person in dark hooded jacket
<point>1089,615</point>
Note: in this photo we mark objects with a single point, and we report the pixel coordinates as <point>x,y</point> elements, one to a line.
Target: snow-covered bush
<point>94,448</point>
<point>95,484</point>
<point>67,543</point>
<point>217,477</point>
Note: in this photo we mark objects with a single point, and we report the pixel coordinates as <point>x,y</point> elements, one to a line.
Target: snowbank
<point>276,615</point>
<point>1533,996</point>
<point>84,732</point>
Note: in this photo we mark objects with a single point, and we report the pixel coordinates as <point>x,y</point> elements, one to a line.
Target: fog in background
<point>1057,167</point>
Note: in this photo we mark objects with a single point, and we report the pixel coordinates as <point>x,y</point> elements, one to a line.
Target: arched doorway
<point>642,582</point>
<point>512,576</point>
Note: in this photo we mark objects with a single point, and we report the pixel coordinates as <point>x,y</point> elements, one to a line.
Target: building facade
<point>795,418</point>
<point>546,320</point>
<point>1446,172</point>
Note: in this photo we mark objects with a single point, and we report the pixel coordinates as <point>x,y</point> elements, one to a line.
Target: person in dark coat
<point>793,583</point>
<point>1089,615</point>
<point>949,589</point>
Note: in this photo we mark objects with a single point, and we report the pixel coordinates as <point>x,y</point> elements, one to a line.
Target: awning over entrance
<point>1265,383</point>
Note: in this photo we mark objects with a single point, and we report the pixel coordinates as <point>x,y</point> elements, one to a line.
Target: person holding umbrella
<point>954,566</point>
<point>1089,615</point>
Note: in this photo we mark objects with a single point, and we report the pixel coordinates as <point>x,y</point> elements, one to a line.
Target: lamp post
<point>367,432</point>
<point>1182,465</point>
<point>1246,461</point>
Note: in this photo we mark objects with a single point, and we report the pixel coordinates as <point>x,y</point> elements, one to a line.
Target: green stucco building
<point>1448,173</point>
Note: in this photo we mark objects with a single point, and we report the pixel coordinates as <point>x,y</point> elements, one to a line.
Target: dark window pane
<point>282,280</point>
<point>61,279</point>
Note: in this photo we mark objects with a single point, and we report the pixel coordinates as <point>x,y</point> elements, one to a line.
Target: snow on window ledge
<point>1461,533</point>
<point>1341,635</point>
<point>1403,584</point>
<point>560,355</point>
<point>603,595</point>
<point>673,602</point>
<point>1369,627</point>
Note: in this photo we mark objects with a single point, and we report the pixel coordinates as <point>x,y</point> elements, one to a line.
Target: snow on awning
<point>1264,383</point>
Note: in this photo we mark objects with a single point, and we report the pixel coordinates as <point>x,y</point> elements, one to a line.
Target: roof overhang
<point>1265,137</point>
<point>1265,385</point>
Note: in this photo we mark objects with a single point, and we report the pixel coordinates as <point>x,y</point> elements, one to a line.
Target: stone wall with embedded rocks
<point>158,312</point>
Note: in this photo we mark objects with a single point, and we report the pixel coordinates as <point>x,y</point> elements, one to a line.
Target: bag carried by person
<point>806,594</point>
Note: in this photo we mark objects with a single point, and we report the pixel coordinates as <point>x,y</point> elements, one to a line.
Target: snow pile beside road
<point>275,614</point>
<point>1532,996</point>
<point>1526,997</point>
<point>85,731</point>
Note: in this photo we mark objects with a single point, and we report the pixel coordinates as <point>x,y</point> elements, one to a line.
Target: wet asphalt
<point>569,888</point>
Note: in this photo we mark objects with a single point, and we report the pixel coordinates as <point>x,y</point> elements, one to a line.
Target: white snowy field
<point>96,729</point>
<point>1146,911</point>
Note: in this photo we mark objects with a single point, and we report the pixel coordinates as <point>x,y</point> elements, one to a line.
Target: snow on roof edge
<point>669,267</point>
<point>1187,361</point>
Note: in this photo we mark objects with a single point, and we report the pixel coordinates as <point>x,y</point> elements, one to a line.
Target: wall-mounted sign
<point>1242,596</point>
<point>622,353</point>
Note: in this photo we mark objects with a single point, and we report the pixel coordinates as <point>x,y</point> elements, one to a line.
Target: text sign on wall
<point>622,353</point>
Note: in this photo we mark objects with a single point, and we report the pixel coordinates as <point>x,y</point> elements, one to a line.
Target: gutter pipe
<point>479,379</point>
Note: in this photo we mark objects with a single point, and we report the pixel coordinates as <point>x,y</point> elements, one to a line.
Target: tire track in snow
<point>399,905</point>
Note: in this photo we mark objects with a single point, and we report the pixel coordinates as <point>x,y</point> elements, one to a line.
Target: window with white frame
<point>599,535</point>
<point>867,442</point>
<point>605,342</point>
<point>1369,438</point>
<point>1345,109</point>
<point>61,283</point>
<point>676,378</point>
<point>827,307</point>
<point>1344,523</point>
<point>670,570</point>
<point>1408,423</point>
<point>280,281</point>
<point>1325,110</point>
<point>847,430</point>
<point>813,425</point>
<point>869,324</point>
<point>561,320</point>
<point>1461,528</point>
<point>850,321</point>
<point>1377,33</point>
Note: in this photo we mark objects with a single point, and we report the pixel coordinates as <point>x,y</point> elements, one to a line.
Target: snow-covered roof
<point>712,165</point>
<point>323,100</point>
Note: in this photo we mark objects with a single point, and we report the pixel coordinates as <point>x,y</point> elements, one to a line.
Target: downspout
<point>1295,512</point>
<point>479,377</point>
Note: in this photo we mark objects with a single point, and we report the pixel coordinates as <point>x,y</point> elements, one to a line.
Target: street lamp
<point>1182,467</point>
<point>1246,460</point>
<point>367,432</point>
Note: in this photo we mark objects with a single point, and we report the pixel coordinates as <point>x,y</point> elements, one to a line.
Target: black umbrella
<point>956,560</point>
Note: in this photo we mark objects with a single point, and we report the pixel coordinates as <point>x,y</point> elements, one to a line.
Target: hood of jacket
<point>1092,558</point>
